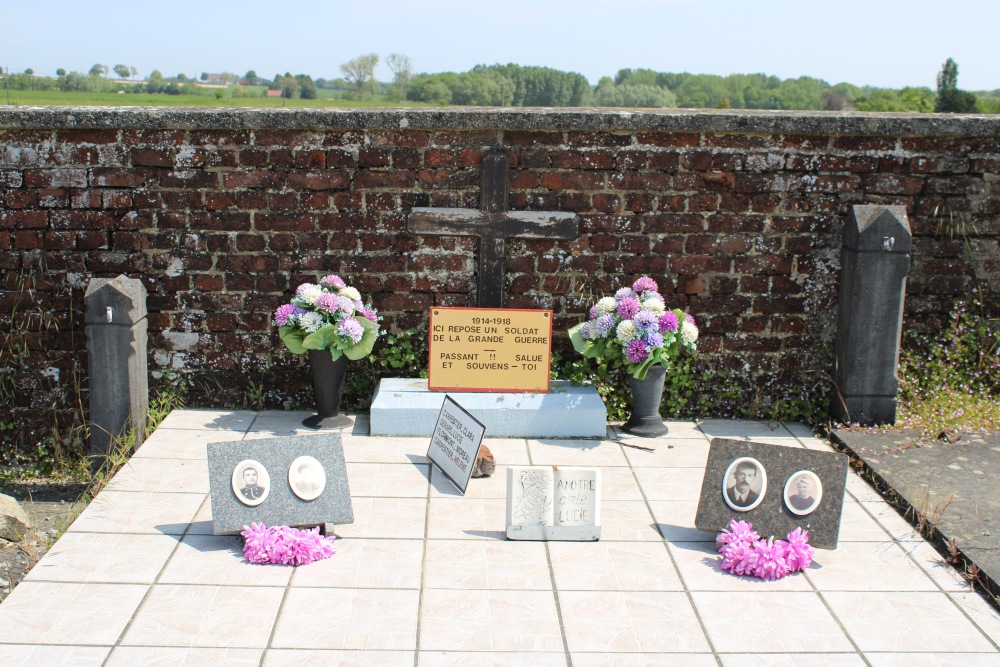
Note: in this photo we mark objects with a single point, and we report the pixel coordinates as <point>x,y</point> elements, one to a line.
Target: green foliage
<point>633,95</point>
<point>907,99</point>
<point>403,354</point>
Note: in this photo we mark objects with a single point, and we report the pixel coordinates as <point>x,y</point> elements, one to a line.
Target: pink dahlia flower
<point>668,322</point>
<point>627,308</point>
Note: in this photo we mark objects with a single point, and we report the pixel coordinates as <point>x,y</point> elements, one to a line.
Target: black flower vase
<point>328,385</point>
<point>646,396</point>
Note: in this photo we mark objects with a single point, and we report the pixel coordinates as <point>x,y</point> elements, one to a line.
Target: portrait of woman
<point>803,492</point>
<point>307,478</point>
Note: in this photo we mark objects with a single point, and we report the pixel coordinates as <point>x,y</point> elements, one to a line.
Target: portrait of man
<point>803,492</point>
<point>743,484</point>
<point>250,482</point>
<point>306,478</point>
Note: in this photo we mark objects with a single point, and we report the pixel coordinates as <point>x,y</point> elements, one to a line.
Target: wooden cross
<point>493,224</point>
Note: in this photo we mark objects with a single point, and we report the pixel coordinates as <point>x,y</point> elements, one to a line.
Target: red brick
<point>86,136</point>
<point>53,198</point>
<point>565,159</point>
<point>400,138</point>
<point>378,179</point>
<point>672,223</point>
<point>697,264</point>
<point>762,264</point>
<point>892,184</point>
<point>669,140</point>
<point>735,223</point>
<point>737,141</point>
<point>697,160</point>
<point>375,157</point>
<point>55,178</point>
<point>10,178</point>
<point>258,178</point>
<point>597,160</point>
<point>277,222</point>
<point>221,221</point>
<point>219,137</point>
<point>189,179</point>
<point>529,138</point>
<point>151,157</point>
<point>116,199</point>
<point>864,143</point>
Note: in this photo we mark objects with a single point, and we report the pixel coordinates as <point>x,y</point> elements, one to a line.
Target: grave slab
<point>405,407</point>
<point>951,485</point>
<point>771,503</point>
<point>297,481</point>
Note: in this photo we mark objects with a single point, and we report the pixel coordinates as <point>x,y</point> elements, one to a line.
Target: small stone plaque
<point>455,443</point>
<point>293,481</point>
<point>549,503</point>
<point>776,488</point>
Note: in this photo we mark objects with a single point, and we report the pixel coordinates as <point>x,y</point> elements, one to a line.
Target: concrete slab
<point>406,407</point>
<point>949,487</point>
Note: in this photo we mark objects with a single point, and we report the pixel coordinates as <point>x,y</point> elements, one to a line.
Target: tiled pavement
<point>424,576</point>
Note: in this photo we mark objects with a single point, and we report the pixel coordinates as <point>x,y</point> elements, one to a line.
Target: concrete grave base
<point>407,407</point>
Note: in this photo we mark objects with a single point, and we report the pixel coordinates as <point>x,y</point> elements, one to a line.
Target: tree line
<point>519,86</point>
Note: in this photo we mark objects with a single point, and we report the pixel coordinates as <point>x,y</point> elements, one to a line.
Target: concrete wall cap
<point>742,121</point>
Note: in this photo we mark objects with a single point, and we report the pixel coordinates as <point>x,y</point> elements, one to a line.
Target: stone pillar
<point>874,261</point>
<point>116,345</point>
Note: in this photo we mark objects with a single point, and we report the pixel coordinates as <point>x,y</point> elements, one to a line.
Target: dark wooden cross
<point>493,224</point>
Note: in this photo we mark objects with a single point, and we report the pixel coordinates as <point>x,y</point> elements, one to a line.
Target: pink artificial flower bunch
<point>745,553</point>
<point>282,545</point>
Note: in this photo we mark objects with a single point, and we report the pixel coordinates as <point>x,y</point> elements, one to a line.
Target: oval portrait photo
<point>803,492</point>
<point>251,483</point>
<point>744,484</point>
<point>307,478</point>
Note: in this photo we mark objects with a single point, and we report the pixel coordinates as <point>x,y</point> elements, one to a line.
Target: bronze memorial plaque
<point>482,349</point>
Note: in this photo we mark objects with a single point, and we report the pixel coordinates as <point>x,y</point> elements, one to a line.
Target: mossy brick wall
<point>221,213</point>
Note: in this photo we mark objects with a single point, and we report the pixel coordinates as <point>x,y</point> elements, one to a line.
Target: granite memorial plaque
<point>455,443</point>
<point>293,481</point>
<point>774,487</point>
<point>550,503</point>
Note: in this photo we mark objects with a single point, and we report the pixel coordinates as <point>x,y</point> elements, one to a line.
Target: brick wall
<point>738,216</point>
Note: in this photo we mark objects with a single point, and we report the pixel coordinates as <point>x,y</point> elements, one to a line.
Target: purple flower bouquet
<point>328,316</point>
<point>635,329</point>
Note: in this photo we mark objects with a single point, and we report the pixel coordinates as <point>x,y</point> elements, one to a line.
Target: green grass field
<point>59,98</point>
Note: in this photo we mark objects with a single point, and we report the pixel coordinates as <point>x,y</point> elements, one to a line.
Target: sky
<point>885,43</point>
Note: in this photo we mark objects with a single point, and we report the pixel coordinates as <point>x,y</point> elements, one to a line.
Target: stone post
<point>874,261</point>
<point>116,345</point>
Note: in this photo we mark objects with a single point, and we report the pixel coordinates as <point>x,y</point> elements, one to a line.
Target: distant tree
<point>949,98</point>
<point>402,73</point>
<point>251,77</point>
<point>29,72</point>
<point>98,70</point>
<point>60,72</point>
<point>633,95</point>
<point>360,71</point>
<point>181,77</point>
<point>155,82</point>
<point>833,100</point>
<point>307,88</point>
<point>289,86</point>
<point>204,76</point>
<point>122,71</point>
<point>917,99</point>
<point>132,71</point>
